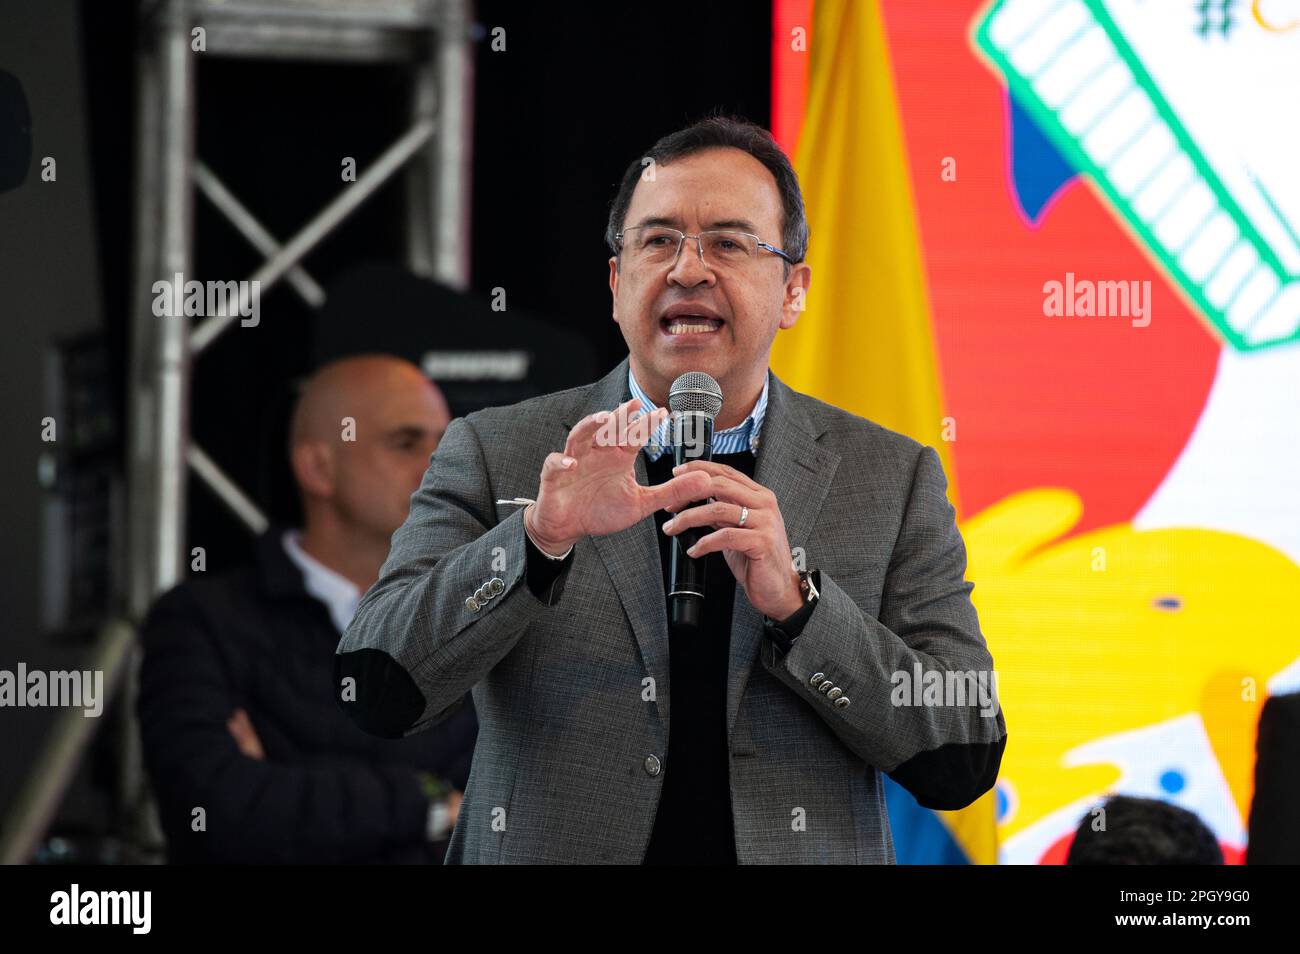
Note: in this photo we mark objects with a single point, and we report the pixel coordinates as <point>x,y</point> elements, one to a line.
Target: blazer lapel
<point>798,470</point>
<point>632,555</point>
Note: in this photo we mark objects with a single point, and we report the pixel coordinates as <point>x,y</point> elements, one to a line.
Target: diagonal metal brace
<point>248,226</point>
<point>314,231</point>
<point>227,491</point>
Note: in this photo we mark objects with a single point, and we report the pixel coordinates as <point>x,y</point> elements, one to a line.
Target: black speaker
<point>478,356</point>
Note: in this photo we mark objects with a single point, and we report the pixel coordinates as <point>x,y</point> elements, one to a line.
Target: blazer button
<point>842,702</point>
<point>835,693</point>
<point>481,595</point>
<point>652,765</point>
<point>816,678</point>
<point>496,585</point>
<point>826,686</point>
<point>472,605</point>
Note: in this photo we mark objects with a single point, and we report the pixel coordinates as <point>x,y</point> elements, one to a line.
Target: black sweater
<point>694,823</point>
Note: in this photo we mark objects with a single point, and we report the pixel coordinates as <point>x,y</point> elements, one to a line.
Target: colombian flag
<point>865,342</point>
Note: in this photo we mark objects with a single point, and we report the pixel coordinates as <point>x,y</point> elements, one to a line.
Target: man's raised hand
<point>590,489</point>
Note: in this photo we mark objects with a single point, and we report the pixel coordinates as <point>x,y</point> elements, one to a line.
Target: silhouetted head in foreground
<point>1143,831</point>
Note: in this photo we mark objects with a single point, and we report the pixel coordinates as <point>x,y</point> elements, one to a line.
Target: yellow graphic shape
<point>1117,629</point>
<point>1256,10</point>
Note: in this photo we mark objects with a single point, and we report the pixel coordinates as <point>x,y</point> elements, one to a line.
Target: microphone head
<point>695,392</point>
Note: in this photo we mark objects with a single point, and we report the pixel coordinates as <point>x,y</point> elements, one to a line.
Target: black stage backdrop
<point>579,92</point>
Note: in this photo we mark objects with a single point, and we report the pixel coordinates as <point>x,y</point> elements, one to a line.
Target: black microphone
<point>695,400</point>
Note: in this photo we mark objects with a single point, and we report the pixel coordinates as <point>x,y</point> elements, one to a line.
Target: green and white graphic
<point>1186,115</point>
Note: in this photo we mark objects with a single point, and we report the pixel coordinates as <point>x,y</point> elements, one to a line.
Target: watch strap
<point>783,633</point>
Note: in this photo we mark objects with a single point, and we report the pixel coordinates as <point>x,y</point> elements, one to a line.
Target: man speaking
<point>694,663</point>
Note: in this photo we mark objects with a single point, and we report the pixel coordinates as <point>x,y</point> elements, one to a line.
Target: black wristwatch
<point>780,632</point>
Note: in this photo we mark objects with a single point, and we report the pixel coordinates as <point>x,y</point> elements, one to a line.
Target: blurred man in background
<point>1143,831</point>
<point>249,755</point>
<point>1274,815</point>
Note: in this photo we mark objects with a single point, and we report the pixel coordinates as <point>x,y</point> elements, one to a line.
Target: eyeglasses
<point>654,245</point>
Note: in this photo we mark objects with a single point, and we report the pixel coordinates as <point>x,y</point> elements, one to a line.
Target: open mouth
<point>689,325</point>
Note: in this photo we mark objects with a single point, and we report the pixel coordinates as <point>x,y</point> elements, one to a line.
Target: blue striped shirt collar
<point>731,441</point>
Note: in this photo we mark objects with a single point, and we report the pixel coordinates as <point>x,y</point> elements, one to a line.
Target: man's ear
<point>313,468</point>
<point>796,294</point>
<point>613,286</point>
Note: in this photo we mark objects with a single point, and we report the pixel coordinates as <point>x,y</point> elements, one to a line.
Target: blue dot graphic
<point>1172,781</point>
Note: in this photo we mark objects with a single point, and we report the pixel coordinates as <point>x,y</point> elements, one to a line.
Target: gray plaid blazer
<point>562,767</point>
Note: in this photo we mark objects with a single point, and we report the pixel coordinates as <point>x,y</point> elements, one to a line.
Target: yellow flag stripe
<point>865,342</point>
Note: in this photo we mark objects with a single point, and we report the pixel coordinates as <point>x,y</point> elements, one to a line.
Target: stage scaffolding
<point>432,38</point>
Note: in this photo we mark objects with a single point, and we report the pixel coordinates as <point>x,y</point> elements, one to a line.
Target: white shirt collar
<point>339,594</point>
<point>744,436</point>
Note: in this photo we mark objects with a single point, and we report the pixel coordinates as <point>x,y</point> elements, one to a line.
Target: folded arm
<point>248,810</point>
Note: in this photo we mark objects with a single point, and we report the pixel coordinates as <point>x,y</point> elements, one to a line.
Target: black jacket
<point>1275,810</point>
<point>326,792</point>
